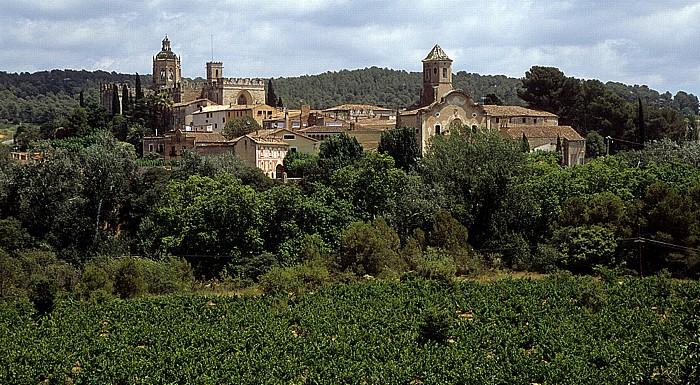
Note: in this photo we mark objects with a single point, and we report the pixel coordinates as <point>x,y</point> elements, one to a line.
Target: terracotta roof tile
<point>510,111</point>
<point>535,132</point>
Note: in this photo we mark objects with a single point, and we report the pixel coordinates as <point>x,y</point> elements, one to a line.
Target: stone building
<point>442,108</point>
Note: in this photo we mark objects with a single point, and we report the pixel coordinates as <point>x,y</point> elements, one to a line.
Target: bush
<point>42,293</point>
<point>129,281</point>
<point>11,276</point>
<point>95,278</point>
<point>436,264</point>
<point>435,326</point>
<point>294,280</point>
<point>168,276</point>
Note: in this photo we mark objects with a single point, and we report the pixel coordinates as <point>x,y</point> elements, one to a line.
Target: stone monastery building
<point>442,108</point>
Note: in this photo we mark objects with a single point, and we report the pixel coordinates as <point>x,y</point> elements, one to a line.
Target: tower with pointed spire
<point>437,76</point>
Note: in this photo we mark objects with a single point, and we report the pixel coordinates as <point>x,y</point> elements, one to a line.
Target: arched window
<point>242,100</point>
<point>437,129</point>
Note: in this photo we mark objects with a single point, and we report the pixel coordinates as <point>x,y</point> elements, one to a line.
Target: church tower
<point>437,76</point>
<point>215,70</point>
<point>166,67</point>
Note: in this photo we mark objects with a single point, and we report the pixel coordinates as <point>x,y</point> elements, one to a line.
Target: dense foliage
<point>41,97</point>
<point>558,330</point>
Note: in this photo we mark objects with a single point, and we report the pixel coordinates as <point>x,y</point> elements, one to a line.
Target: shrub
<point>168,276</point>
<point>294,280</point>
<point>95,278</point>
<point>129,281</point>
<point>436,264</point>
<point>436,326</point>
<point>42,293</point>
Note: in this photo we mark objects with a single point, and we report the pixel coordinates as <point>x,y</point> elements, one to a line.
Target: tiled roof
<point>206,137</point>
<point>346,107</point>
<point>510,111</point>
<point>564,132</point>
<point>437,54</point>
<point>259,140</point>
<point>183,104</point>
<point>215,108</point>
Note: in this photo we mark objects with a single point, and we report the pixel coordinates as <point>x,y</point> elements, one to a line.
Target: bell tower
<point>166,66</point>
<point>437,76</point>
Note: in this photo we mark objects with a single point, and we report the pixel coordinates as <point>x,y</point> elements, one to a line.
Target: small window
<point>437,129</point>
<point>498,120</point>
<point>534,120</point>
<point>435,71</point>
<point>289,137</point>
<point>444,72</point>
<point>292,149</point>
<point>524,120</point>
<point>474,115</point>
<point>150,148</point>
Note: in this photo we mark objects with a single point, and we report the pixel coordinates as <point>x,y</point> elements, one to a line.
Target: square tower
<point>437,76</point>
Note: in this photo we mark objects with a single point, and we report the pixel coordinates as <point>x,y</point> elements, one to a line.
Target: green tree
<point>241,126</point>
<point>370,248</point>
<point>116,103</point>
<point>474,171</point>
<point>525,144</point>
<point>401,144</point>
<point>270,96</point>
<point>548,89</point>
<point>595,145</point>
<point>126,100</point>
<point>211,216</point>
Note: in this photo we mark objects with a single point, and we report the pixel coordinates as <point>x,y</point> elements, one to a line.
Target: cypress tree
<point>115,100</point>
<point>525,144</point>
<point>126,103</point>
<point>642,128</point>
<point>139,91</point>
<point>82,99</point>
<point>271,97</point>
<point>279,103</point>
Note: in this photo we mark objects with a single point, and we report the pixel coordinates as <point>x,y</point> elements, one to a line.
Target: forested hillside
<point>383,87</point>
<point>41,97</point>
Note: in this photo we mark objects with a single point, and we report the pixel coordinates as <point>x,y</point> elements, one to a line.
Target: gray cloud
<point>647,42</point>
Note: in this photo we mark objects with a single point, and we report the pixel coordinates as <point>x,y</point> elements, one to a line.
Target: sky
<point>652,43</point>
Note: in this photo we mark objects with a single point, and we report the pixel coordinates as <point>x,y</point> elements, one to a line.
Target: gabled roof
<point>515,111</point>
<point>346,107</point>
<point>258,140</point>
<point>533,132</point>
<point>437,54</point>
<point>205,137</point>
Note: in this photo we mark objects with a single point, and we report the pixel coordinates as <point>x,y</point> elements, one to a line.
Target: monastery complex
<point>201,110</point>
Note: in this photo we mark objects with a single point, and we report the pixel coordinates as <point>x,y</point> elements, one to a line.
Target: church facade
<point>442,108</point>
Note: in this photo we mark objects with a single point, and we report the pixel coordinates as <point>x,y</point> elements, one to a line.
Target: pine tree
<point>115,100</point>
<point>271,97</point>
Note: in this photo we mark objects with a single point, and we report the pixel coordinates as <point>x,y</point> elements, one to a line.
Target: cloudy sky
<point>633,42</point>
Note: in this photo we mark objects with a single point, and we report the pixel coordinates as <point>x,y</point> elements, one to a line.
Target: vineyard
<point>555,330</point>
